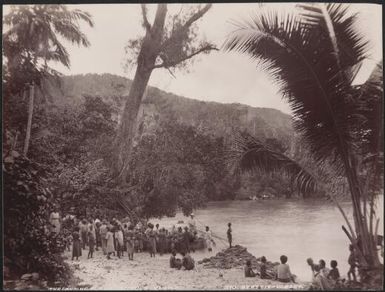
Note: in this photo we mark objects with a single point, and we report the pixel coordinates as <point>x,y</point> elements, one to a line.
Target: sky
<point>219,76</point>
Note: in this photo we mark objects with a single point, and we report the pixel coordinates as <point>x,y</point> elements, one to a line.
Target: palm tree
<point>32,41</point>
<point>314,57</point>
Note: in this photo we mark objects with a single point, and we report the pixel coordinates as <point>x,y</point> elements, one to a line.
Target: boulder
<point>26,277</point>
<point>35,276</point>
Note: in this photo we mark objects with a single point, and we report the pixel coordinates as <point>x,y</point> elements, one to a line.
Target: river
<point>297,228</point>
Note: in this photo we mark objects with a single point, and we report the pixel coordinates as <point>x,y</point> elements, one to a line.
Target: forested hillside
<point>211,117</point>
<point>208,119</point>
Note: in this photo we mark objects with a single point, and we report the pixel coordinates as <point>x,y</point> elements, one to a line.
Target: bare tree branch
<point>146,23</point>
<point>199,14</point>
<point>172,74</point>
<point>170,63</point>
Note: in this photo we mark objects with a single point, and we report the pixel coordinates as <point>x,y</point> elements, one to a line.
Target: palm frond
<point>249,155</point>
<point>299,54</point>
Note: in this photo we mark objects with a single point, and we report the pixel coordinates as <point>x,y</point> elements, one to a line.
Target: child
<point>334,274</point>
<point>310,262</point>
<point>263,269</point>
<point>76,245</point>
<point>209,239</point>
<point>320,281</point>
<point>283,271</point>
<point>91,242</point>
<point>352,260</point>
<point>187,261</point>
<point>229,234</point>
<point>248,270</point>
<point>174,262</point>
<point>324,269</point>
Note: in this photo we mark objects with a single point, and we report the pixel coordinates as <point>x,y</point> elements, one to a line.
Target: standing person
<point>91,242</point>
<point>54,220</point>
<point>76,245</point>
<point>152,240</point>
<point>146,236</point>
<point>167,243</point>
<point>193,238</point>
<point>103,234</point>
<point>192,223</point>
<point>186,240</point>
<point>229,234</point>
<point>179,240</point>
<point>208,239</point>
<point>110,243</point>
<point>136,240</point>
<point>142,239</point>
<point>130,244</point>
<point>157,230</point>
<point>84,233</point>
<point>173,241</point>
<point>352,260</point>
<point>119,240</point>
<point>97,233</point>
<point>162,241</point>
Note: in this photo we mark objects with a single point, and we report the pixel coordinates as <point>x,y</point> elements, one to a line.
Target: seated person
<point>248,270</point>
<point>320,281</point>
<point>283,271</point>
<point>323,267</point>
<point>263,269</point>
<point>334,275</point>
<point>174,262</point>
<point>187,261</point>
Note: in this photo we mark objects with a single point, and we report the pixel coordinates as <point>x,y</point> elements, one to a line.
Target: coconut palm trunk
<point>30,116</point>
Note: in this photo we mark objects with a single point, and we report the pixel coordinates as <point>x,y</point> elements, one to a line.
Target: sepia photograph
<point>192,146</point>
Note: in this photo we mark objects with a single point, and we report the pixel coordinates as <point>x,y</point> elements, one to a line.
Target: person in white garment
<point>192,223</point>
<point>54,219</point>
<point>208,239</point>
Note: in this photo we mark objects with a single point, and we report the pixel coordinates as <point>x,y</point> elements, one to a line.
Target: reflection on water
<point>296,228</point>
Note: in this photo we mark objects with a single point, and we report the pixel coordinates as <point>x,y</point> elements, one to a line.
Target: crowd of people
<point>116,237</point>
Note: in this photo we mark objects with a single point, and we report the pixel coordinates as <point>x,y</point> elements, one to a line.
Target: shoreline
<point>146,273</point>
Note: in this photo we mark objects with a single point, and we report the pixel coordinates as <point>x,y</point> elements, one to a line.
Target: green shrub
<point>28,246</point>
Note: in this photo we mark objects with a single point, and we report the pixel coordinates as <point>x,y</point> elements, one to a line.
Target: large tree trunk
<point>29,123</point>
<point>146,61</point>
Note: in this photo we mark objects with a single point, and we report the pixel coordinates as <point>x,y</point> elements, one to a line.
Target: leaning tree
<point>314,56</point>
<point>169,42</point>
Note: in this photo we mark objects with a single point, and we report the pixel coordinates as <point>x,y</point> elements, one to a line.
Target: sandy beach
<point>146,273</point>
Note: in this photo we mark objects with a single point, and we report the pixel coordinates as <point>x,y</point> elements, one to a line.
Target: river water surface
<point>296,228</point>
